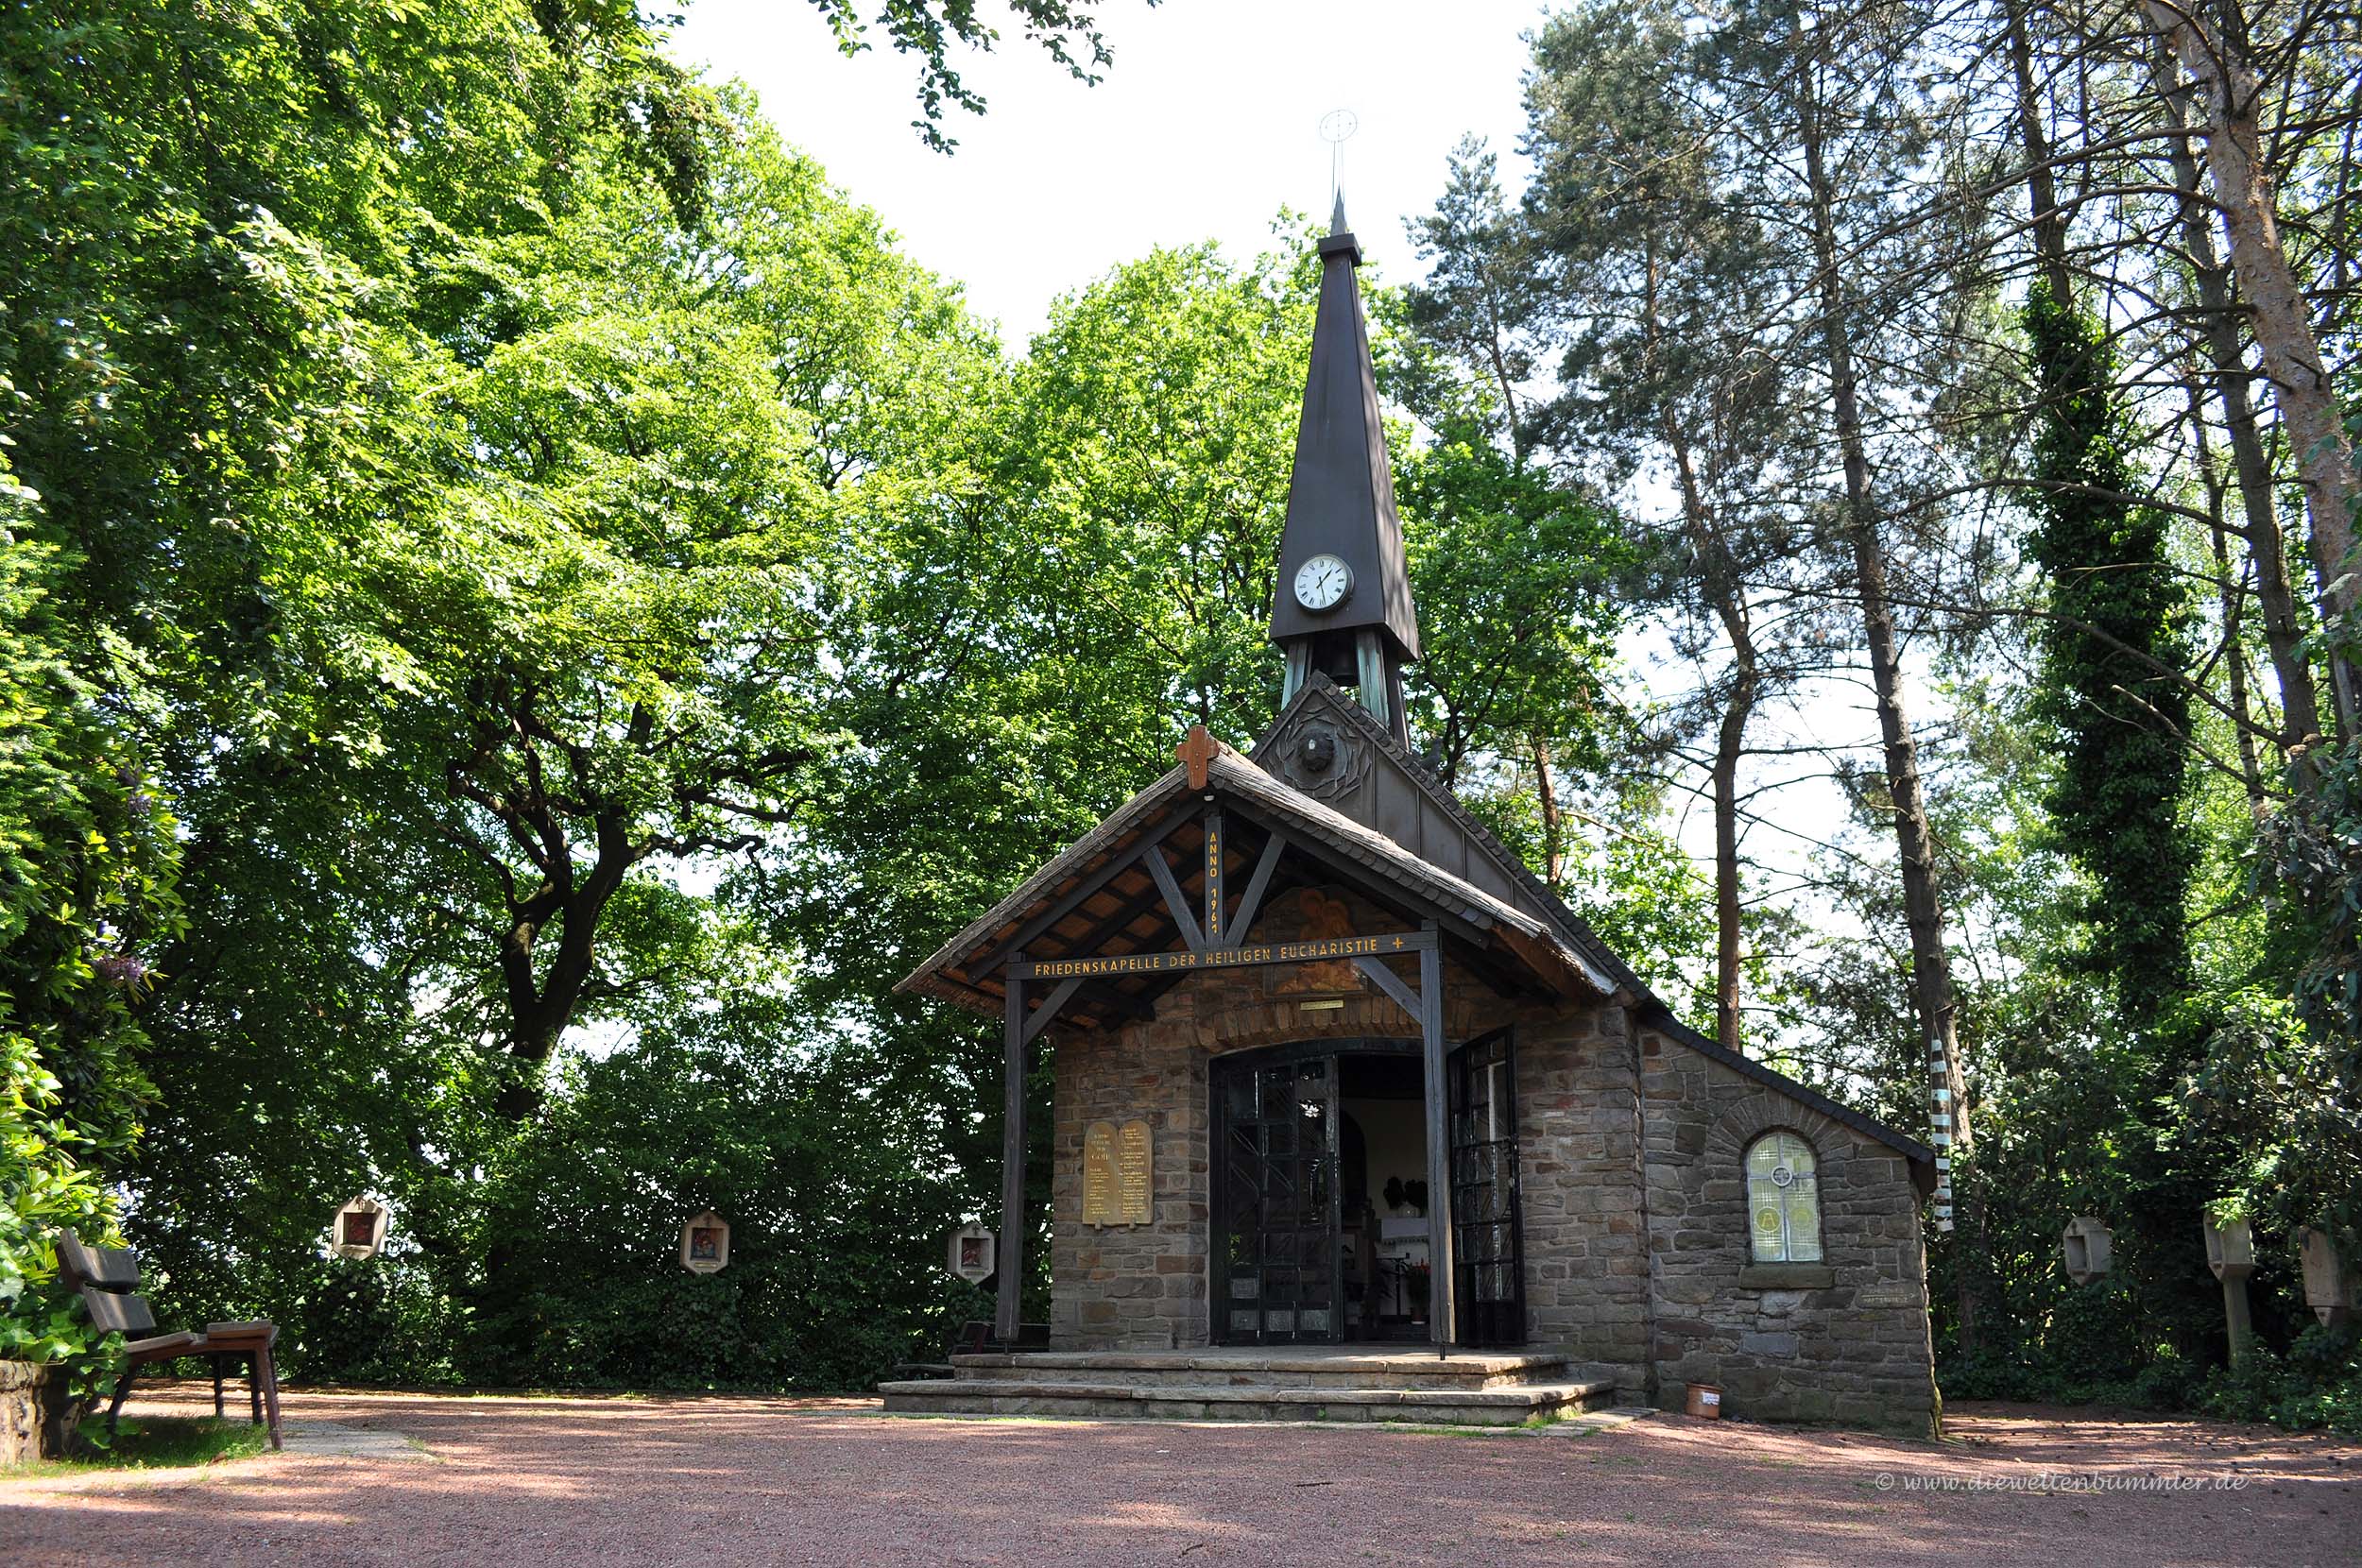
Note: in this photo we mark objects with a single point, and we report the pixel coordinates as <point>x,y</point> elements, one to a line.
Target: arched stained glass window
<point>1783,1200</point>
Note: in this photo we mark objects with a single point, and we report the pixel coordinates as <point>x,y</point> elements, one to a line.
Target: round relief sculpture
<point>1323,760</point>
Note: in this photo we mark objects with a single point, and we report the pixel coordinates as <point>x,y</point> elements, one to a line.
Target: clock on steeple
<point>1323,582</point>
<point>1344,605</point>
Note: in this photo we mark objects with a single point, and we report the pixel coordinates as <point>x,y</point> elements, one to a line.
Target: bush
<point>43,1189</point>
<point>87,858</point>
<point>836,1270</point>
<point>2317,1385</point>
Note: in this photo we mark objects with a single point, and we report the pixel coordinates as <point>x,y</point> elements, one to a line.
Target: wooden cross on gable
<point>1197,750</point>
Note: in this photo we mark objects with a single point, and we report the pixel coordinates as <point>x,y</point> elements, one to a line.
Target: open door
<point>1488,1244</point>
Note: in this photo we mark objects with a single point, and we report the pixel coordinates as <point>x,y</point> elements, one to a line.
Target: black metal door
<point>1277,1274</point>
<point>1488,1247</point>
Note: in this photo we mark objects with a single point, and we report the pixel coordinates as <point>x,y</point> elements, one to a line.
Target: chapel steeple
<point>1343,601</point>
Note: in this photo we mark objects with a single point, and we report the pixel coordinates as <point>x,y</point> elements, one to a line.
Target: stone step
<point>1269,1369</point>
<point>1498,1406</point>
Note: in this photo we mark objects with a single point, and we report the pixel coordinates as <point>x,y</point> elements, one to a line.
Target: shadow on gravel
<point>529,1481</point>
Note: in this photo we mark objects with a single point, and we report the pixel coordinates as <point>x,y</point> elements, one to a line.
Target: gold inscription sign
<point>1218,958</point>
<point>1135,1172</point>
<point>1100,1203</point>
<point>1119,1174</point>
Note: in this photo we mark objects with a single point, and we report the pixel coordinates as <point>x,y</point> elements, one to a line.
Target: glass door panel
<point>1277,1200</point>
<point>1488,1255</point>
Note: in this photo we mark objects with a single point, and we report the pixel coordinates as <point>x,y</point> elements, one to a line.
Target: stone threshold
<point>1582,1425</point>
<point>1232,1402</point>
<point>1522,1396</point>
<point>1291,1359</point>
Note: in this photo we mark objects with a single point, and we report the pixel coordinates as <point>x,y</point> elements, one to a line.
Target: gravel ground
<point>697,1481</point>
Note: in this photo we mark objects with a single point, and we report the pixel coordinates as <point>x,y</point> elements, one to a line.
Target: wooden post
<point>1370,664</point>
<point>1440,1328</point>
<point>2239,1327</point>
<point>1009,1256</point>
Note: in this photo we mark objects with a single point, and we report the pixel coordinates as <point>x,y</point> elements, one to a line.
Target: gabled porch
<point>1165,892</point>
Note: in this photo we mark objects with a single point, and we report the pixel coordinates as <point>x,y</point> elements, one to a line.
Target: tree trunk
<point>1725,592</point>
<point>1554,832</point>
<point>540,1006</point>
<point>2041,186</point>
<point>1730,943</point>
<point>1728,598</point>
<point>1498,351</point>
<point>2292,359</point>
<point>2232,596</point>
<point>2283,625</point>
<point>1931,966</point>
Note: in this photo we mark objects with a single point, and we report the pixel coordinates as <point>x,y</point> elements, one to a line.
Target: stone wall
<point>1131,1286</point>
<point>1148,1286</point>
<point>1586,1272</point>
<point>1844,1342</point>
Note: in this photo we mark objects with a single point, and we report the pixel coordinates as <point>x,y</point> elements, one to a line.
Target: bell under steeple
<point>1344,603</point>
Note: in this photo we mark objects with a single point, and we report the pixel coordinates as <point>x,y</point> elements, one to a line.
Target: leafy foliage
<point>930,30</point>
<point>523,615</point>
<point>1776,255</point>
<point>2113,654</point>
<point>87,861</point>
<point>836,1269</point>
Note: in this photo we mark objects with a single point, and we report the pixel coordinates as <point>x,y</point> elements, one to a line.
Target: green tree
<point>1659,286</point>
<point>87,865</point>
<point>458,419</point>
<point>1068,33</point>
<point>2112,650</point>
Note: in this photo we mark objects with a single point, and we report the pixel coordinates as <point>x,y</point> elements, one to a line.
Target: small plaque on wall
<point>705,1243</point>
<point>1119,1174</point>
<point>1100,1204</point>
<point>359,1229</point>
<point>1136,1172</point>
<point>971,1254</point>
<point>1888,1293</point>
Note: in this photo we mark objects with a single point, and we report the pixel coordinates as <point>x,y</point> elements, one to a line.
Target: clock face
<point>1323,582</point>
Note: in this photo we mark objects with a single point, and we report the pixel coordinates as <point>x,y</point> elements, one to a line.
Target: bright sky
<point>1206,126</point>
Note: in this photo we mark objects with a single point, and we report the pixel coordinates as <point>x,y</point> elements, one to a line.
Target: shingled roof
<point>1532,897</point>
<point>1048,918</point>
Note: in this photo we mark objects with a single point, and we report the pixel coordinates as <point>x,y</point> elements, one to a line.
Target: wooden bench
<point>108,1278</point>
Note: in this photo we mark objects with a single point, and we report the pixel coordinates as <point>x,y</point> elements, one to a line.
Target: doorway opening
<point>1382,1121</point>
<point>1321,1201</point>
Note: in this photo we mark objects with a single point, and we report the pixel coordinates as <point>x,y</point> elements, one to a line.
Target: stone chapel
<point>1354,1119</point>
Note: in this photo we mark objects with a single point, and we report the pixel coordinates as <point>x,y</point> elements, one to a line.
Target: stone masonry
<point>1844,1342</point>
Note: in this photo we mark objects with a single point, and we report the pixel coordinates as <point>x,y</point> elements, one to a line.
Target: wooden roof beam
<point>1404,902</point>
<point>1118,861</point>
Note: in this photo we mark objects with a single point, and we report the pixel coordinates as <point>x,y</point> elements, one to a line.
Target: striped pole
<point>1940,1118</point>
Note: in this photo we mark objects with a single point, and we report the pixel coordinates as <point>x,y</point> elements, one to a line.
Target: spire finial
<point>1336,126</point>
<point>1337,224</point>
